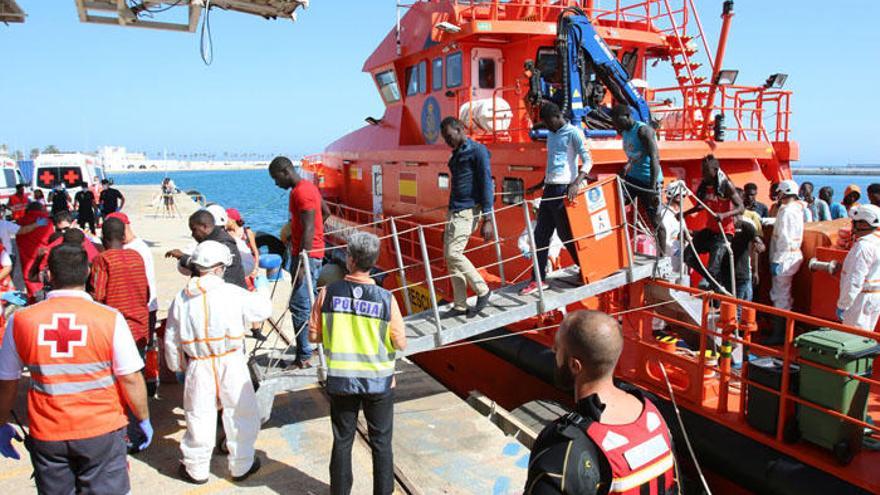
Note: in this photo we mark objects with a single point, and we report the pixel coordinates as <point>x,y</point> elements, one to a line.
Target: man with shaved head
<point>615,441</point>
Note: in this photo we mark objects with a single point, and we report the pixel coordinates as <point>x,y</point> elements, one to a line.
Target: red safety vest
<point>67,344</point>
<point>718,204</point>
<point>639,454</point>
<point>18,205</point>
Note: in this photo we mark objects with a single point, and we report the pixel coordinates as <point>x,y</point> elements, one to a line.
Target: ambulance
<point>68,169</point>
<point>10,177</point>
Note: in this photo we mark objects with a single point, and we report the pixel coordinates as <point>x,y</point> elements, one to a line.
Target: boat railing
<point>752,113</point>
<point>727,333</point>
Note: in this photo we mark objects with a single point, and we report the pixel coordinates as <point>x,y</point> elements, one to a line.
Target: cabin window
<point>388,86</point>
<point>443,181</point>
<point>417,78</point>
<point>453,70</point>
<point>547,62</point>
<point>486,67</point>
<point>9,178</point>
<point>512,190</point>
<point>423,76</point>
<point>437,74</point>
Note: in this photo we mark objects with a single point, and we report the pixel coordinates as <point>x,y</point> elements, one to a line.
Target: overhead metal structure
<point>158,14</point>
<point>10,11</point>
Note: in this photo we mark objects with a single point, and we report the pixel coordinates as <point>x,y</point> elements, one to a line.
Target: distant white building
<point>117,158</point>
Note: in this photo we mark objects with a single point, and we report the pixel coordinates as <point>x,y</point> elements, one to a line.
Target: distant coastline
<point>848,170</point>
<point>184,166</point>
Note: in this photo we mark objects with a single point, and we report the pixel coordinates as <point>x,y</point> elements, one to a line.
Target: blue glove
<point>261,282</point>
<point>181,376</point>
<point>14,298</point>
<point>775,269</point>
<point>7,433</point>
<point>42,222</point>
<point>147,430</point>
<point>527,254</point>
<point>840,314</point>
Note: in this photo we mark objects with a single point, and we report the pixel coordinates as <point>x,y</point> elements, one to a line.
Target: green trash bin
<point>847,395</point>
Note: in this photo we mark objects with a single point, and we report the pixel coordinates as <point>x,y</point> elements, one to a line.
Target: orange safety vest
<point>67,344</point>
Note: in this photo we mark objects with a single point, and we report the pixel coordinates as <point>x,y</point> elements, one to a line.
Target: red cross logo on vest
<point>71,177</point>
<point>47,177</point>
<point>62,335</point>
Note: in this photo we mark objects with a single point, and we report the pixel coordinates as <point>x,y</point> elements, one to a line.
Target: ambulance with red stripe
<point>69,169</point>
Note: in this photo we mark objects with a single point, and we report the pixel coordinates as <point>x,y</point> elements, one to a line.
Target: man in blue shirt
<point>642,175</point>
<point>565,144</point>
<point>471,198</point>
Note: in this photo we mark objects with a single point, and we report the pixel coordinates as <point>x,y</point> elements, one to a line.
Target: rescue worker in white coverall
<point>785,251</point>
<point>859,301</point>
<point>204,336</point>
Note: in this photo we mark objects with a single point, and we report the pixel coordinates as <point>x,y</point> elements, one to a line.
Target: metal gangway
<point>430,330</point>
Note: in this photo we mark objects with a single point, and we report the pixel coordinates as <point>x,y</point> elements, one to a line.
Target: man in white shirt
<point>204,337</point>
<point>676,191</point>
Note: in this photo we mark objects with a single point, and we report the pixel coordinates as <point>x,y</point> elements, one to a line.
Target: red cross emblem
<point>62,335</point>
<point>71,177</point>
<point>47,177</point>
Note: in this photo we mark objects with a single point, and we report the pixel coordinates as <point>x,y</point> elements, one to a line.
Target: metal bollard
<point>400,267</point>
<point>429,279</point>
<point>322,361</point>
<point>534,251</point>
<point>497,246</point>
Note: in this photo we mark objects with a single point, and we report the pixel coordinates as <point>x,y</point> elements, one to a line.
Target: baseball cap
<point>122,217</point>
<point>233,214</point>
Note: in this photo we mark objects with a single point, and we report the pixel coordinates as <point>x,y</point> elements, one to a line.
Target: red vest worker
<point>85,372</point>
<point>18,203</point>
<point>616,441</point>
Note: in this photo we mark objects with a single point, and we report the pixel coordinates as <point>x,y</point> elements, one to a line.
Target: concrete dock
<point>441,444</point>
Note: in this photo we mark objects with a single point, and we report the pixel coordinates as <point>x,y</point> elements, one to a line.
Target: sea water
<point>264,206</point>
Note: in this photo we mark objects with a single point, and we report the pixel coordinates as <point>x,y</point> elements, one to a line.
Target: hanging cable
<point>684,434</point>
<point>206,49</point>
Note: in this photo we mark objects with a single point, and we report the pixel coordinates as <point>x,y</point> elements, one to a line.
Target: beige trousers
<point>461,224</point>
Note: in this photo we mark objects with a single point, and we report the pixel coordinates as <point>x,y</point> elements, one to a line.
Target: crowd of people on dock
<point>89,321</point>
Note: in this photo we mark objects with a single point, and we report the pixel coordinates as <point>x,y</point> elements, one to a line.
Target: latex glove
<point>181,376</point>
<point>527,254</point>
<point>7,433</point>
<point>13,297</point>
<point>261,282</point>
<point>775,269</point>
<point>840,314</point>
<point>147,429</point>
<point>42,222</point>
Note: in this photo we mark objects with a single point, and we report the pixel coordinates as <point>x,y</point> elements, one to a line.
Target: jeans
<point>744,290</point>
<point>552,218</point>
<point>379,413</point>
<point>301,306</point>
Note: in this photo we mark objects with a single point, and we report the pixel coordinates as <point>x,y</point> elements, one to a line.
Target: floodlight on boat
<point>448,27</point>
<point>373,121</point>
<point>776,80</point>
<point>726,77</point>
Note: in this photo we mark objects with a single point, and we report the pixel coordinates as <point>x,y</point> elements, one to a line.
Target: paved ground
<point>441,444</point>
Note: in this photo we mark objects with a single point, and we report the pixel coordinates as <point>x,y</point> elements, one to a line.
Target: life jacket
<point>718,202</point>
<point>639,454</point>
<point>67,344</point>
<point>357,338</point>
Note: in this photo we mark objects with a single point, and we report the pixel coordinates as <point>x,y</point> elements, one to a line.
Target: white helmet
<point>211,253</point>
<point>219,214</point>
<point>867,213</point>
<point>787,188</point>
<point>675,189</point>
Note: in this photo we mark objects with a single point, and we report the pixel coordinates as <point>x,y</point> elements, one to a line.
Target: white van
<point>51,170</point>
<point>10,176</point>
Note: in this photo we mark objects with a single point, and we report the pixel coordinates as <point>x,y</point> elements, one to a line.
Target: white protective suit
<point>785,249</point>
<point>207,322</point>
<point>672,246</point>
<point>860,283</point>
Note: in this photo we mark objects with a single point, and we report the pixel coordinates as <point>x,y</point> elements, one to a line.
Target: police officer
<point>615,441</point>
<point>85,372</point>
<point>361,327</point>
<point>859,301</point>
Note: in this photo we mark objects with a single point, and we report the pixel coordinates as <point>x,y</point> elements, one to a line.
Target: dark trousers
<point>91,466</point>
<point>86,217</point>
<point>552,218</point>
<point>650,201</point>
<point>707,241</point>
<point>379,413</point>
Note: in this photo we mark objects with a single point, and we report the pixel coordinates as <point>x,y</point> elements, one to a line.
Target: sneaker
<point>185,476</point>
<point>532,288</point>
<point>454,313</point>
<point>257,334</point>
<point>254,468</point>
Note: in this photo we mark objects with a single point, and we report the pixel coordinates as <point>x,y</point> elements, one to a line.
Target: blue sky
<point>277,86</point>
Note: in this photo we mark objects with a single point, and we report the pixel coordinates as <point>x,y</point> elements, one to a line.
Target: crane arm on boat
<point>584,53</point>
